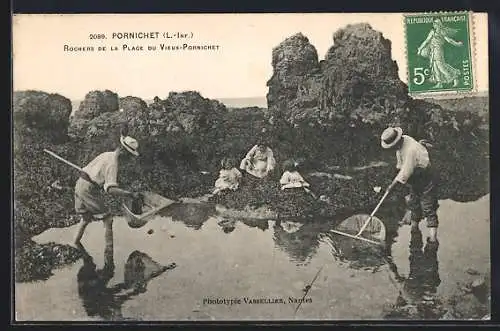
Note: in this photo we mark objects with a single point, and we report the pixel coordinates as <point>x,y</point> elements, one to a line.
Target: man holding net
<point>415,171</point>
<point>99,177</point>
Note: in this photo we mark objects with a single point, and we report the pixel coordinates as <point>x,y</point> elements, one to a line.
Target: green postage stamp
<point>439,52</point>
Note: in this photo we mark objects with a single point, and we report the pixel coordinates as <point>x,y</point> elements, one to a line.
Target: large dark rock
<point>340,104</point>
<point>39,113</point>
<point>333,112</point>
<point>360,75</point>
<point>172,135</point>
<point>295,86</point>
<point>194,113</point>
<point>96,103</point>
<point>132,104</point>
<point>40,122</point>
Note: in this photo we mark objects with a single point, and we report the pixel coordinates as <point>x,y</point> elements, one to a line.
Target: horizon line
<point>481,92</point>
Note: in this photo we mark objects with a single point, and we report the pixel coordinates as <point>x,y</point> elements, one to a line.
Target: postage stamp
<point>439,52</point>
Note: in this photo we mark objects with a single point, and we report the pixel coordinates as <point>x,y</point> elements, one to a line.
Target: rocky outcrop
<point>41,114</point>
<point>195,114</point>
<point>170,156</point>
<point>357,79</point>
<point>40,122</point>
<point>360,77</point>
<point>340,106</point>
<point>97,103</point>
<point>471,104</point>
<point>295,86</point>
<point>172,134</point>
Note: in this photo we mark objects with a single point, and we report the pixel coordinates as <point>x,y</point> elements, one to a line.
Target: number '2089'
<point>97,36</point>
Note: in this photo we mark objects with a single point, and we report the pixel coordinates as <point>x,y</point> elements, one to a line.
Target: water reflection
<point>423,278</point>
<point>259,224</point>
<point>193,215</point>
<point>104,301</point>
<point>300,240</point>
<point>228,225</point>
<point>358,254</point>
<point>418,299</point>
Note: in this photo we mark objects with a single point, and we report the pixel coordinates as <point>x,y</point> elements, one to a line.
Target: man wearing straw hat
<point>414,171</point>
<point>99,176</point>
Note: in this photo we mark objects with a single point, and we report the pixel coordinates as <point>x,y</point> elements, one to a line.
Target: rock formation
<point>360,77</point>
<point>96,103</point>
<point>340,105</point>
<point>40,113</point>
<point>40,122</point>
<point>329,113</point>
<point>172,134</point>
<point>295,86</point>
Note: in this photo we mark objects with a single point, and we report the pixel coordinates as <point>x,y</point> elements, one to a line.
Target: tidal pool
<point>229,269</point>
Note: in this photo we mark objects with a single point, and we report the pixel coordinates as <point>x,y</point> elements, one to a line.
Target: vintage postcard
<point>257,167</point>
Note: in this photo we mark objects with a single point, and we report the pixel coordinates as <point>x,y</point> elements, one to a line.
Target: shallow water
<point>231,259</point>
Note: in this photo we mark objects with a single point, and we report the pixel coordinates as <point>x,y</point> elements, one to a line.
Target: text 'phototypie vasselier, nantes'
<point>142,41</point>
<point>255,301</point>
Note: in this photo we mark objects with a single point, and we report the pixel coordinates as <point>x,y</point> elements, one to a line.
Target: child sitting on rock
<point>229,177</point>
<point>291,177</point>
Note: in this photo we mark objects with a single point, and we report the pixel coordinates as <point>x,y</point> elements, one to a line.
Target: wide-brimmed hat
<point>130,144</point>
<point>391,136</point>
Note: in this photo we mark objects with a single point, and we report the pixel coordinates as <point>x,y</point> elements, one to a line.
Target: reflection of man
<point>417,300</point>
<point>97,298</point>
<point>106,302</point>
<point>423,278</point>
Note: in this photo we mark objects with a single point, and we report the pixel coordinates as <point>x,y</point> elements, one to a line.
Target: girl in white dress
<point>229,177</point>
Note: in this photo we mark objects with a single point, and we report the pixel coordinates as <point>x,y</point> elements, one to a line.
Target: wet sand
<point>250,262</point>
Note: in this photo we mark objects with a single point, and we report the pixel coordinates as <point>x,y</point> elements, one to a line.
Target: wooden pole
<point>63,160</point>
<point>356,237</point>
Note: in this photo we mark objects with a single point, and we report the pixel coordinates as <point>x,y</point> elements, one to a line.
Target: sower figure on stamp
<point>433,49</point>
<point>414,171</point>
<point>98,177</point>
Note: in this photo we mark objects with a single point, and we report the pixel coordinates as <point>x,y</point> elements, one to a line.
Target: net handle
<point>373,213</point>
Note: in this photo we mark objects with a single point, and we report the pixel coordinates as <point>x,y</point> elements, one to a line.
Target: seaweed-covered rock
<point>96,103</point>
<point>40,122</point>
<point>36,262</point>
<point>196,115</point>
<point>360,73</point>
<point>172,135</point>
<point>295,87</point>
<point>333,113</point>
<point>39,113</point>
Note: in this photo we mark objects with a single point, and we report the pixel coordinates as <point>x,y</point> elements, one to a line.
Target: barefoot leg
<point>81,228</point>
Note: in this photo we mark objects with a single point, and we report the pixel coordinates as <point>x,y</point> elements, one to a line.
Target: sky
<point>239,68</point>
